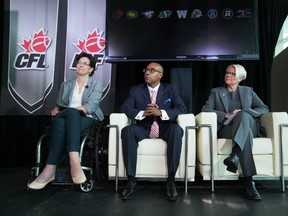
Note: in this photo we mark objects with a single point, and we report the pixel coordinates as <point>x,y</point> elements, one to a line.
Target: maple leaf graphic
<point>39,43</point>
<point>93,43</point>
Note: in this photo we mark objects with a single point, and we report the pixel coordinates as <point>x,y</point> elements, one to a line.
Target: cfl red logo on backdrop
<point>94,44</point>
<point>34,53</point>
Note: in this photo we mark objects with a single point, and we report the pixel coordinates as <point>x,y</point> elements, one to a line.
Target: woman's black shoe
<point>232,163</point>
<point>171,193</point>
<point>250,191</point>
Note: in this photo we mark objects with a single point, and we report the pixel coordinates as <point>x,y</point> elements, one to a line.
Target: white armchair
<point>266,150</point>
<point>151,153</point>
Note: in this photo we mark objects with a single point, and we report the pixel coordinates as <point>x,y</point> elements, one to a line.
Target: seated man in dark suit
<point>155,107</point>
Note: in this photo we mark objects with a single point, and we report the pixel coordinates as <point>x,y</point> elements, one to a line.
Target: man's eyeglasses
<point>151,70</point>
<point>230,73</point>
<point>83,63</point>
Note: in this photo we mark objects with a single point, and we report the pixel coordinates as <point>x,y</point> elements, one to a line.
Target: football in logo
<point>40,44</point>
<point>94,44</point>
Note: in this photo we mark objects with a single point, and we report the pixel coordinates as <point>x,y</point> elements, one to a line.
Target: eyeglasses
<point>151,70</point>
<point>230,73</point>
<point>83,63</point>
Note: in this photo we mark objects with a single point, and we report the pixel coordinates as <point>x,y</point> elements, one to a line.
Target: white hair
<point>240,71</point>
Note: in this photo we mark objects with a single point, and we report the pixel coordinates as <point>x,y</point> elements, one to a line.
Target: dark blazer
<point>168,99</point>
<point>218,102</point>
<point>90,100</point>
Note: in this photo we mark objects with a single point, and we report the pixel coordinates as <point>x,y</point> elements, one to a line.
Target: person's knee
<point>128,131</point>
<point>175,130</point>
<point>73,112</point>
<point>244,115</point>
<point>58,123</point>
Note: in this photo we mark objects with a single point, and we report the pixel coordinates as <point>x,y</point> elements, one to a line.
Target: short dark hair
<point>91,59</point>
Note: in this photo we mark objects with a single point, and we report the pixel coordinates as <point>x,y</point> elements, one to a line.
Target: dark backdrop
<point>19,134</point>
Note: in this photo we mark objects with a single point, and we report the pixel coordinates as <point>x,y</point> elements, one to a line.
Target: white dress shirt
<point>164,116</point>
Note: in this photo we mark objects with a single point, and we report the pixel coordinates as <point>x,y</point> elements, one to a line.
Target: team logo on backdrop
<point>131,14</point>
<point>197,13</point>
<point>244,13</point>
<point>35,49</point>
<point>94,44</point>
<point>117,14</point>
<point>227,13</point>
<point>182,14</point>
<point>165,14</point>
<point>148,14</point>
<point>212,13</point>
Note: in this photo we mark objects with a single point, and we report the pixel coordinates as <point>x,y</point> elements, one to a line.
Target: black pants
<point>241,130</point>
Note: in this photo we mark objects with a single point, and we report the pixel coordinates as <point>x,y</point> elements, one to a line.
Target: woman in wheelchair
<point>238,109</point>
<point>76,109</point>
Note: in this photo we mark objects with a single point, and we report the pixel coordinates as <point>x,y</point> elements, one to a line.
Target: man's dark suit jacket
<point>168,99</point>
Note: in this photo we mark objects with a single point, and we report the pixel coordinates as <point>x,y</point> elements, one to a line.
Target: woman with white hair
<point>238,108</point>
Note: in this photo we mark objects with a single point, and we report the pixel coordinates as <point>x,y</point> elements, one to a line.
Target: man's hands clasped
<point>152,110</point>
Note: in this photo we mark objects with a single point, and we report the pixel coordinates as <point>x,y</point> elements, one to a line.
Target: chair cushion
<point>152,147</point>
<point>261,145</point>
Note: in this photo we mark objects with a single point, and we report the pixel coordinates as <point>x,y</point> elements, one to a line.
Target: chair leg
<point>117,156</point>
<point>187,128</point>
<point>282,178</point>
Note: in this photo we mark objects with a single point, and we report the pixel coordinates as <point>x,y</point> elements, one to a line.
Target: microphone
<point>86,86</point>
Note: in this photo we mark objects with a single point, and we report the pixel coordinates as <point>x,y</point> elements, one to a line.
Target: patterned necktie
<point>154,132</point>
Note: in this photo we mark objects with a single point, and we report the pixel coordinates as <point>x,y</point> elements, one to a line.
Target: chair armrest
<point>203,142</point>
<point>271,122</point>
<point>120,120</point>
<point>117,120</point>
<point>188,144</point>
<point>185,120</point>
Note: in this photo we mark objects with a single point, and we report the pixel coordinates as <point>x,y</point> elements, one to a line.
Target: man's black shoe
<point>129,190</point>
<point>171,191</point>
<point>232,163</point>
<point>250,191</point>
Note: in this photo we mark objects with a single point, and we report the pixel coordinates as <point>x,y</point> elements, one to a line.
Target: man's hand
<point>228,115</point>
<point>152,110</point>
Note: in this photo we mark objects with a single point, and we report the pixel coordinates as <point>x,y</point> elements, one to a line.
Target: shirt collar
<point>155,89</point>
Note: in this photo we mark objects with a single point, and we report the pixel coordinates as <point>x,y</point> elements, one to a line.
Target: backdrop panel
<point>45,37</point>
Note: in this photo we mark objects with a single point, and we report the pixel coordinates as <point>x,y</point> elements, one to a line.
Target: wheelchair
<point>93,157</point>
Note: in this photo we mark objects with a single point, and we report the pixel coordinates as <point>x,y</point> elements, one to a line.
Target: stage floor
<point>149,199</point>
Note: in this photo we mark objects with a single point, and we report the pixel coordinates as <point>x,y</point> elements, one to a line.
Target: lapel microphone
<point>86,86</point>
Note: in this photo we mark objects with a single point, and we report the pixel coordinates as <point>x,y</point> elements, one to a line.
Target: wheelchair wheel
<point>87,186</point>
<point>101,153</point>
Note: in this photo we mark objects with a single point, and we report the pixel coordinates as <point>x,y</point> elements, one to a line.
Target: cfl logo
<point>30,61</point>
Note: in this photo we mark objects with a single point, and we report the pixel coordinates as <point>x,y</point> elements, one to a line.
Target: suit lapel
<point>86,90</point>
<point>242,97</point>
<point>223,97</point>
<point>146,93</point>
<point>160,94</point>
<point>71,88</point>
